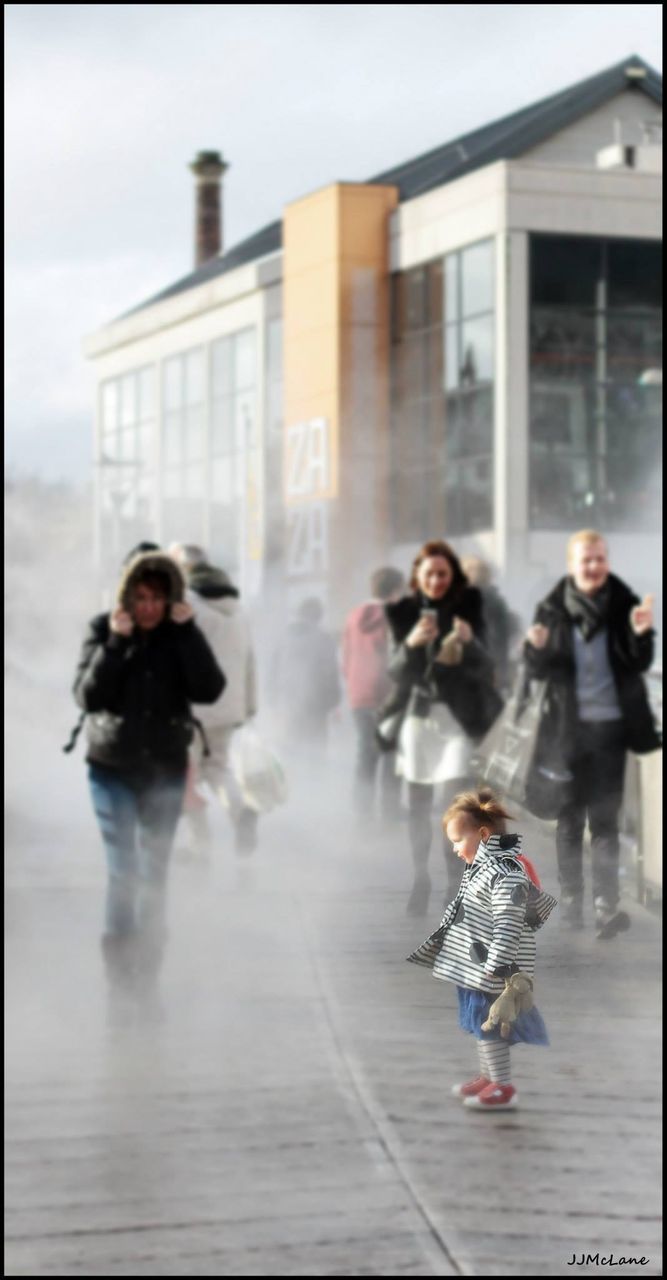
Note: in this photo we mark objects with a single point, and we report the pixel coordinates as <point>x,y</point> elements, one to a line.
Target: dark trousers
<point>598,765</point>
<point>371,763</point>
<point>420,828</point>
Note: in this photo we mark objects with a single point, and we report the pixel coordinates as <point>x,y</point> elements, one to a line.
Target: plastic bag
<point>520,757</point>
<point>258,772</point>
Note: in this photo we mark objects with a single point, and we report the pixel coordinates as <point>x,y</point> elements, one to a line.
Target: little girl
<point>486,934</point>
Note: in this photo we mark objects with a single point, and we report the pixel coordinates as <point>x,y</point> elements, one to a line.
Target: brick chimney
<point>208,168</point>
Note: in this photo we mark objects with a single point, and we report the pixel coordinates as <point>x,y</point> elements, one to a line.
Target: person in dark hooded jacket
<point>140,668</point>
<point>591,640</point>
<point>365,655</point>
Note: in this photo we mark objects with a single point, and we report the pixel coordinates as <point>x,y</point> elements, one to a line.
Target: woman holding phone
<point>438,633</point>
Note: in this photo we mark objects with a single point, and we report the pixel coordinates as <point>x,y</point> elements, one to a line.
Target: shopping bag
<point>388,728</point>
<point>521,757</point>
<point>258,772</point>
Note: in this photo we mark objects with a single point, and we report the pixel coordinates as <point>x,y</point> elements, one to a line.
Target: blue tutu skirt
<point>474,1008</point>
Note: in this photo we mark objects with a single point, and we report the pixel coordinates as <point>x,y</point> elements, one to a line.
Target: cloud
<point>49,384</point>
<point>106,105</point>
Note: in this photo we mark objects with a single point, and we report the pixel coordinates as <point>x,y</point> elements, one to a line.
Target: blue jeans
<point>138,823</point>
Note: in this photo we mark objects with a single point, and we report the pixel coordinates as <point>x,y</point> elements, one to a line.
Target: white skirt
<point>434,748</point>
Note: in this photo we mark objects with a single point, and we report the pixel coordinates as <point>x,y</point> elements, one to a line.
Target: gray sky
<point>107,104</point>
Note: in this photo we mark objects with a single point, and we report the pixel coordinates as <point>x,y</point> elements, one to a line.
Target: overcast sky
<point>106,105</point>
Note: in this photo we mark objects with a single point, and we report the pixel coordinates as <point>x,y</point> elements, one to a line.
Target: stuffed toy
<point>516,998</point>
<point>451,651</point>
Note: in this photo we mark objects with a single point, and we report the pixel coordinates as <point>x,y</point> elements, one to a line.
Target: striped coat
<point>485,928</point>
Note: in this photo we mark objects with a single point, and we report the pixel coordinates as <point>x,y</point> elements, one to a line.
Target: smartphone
<point>429,613</point>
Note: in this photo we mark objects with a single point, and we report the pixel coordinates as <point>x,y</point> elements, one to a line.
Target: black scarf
<point>445,609</point>
<point>589,613</point>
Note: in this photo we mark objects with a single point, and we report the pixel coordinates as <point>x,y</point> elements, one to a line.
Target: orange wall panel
<point>336,351</point>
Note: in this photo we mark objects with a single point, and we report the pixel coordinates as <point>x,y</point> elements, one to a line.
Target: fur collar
<point>152,560</point>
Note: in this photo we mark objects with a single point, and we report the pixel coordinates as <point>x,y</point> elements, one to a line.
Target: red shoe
<point>471,1088</point>
<point>494,1097</point>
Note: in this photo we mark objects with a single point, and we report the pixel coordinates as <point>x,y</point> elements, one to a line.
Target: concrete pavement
<point>293,1116</point>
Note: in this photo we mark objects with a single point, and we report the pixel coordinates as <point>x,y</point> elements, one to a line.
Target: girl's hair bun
<point>482,807</point>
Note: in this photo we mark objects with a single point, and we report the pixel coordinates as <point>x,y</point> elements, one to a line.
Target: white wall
<point>579,143</point>
<point>572,201</point>
<point>470,209</point>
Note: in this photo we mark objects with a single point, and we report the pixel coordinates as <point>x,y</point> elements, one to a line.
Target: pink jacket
<point>365,652</point>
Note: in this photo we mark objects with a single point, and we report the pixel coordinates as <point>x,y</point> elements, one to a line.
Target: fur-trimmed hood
<point>155,562</point>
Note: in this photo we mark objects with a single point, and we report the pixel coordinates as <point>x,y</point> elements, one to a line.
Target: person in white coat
<point>219,615</point>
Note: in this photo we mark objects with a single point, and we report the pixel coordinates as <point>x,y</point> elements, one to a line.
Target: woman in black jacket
<point>591,639</point>
<point>140,668</point>
<point>459,699</point>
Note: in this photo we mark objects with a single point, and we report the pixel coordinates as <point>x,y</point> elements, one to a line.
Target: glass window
<point>225,535</point>
<point>477,278</point>
<point>435,291</point>
<point>565,270</point>
<point>110,401</point>
<point>145,438</point>
<point>172,439</point>
<point>410,369</point>
<point>246,428</point>
<point>274,350</point>
<point>145,500</point>
<point>195,392</point>
<point>415,298</point>
<point>245,360</point>
<point>194,482</point>
<point>235,428</point>
<point>172,483</point>
<point>475,414</point>
<point>634,343</point>
<point>398,307</point>
<point>452,288</point>
<point>128,400</point>
<point>222,381</point>
<point>451,357</point>
<point>563,343</point>
<point>222,480</point>
<point>173,383</point>
<point>634,274</point>
<point>442,381</point>
<point>146,394</point>
<point>128,445</point>
<point>595,342</point>
<point>222,427</point>
<point>111,447</point>
<point>469,495</point>
<point>193,435</point>
<point>478,351</point>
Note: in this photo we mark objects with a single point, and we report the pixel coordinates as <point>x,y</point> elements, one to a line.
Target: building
<point>467,345</point>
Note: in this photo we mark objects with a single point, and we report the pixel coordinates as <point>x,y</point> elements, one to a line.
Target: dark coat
<point>304,674</point>
<point>466,689</point>
<point>136,690</point>
<point>629,656</point>
<point>501,627</point>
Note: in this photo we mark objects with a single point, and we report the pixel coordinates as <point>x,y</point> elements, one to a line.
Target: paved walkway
<point>293,1115</point>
